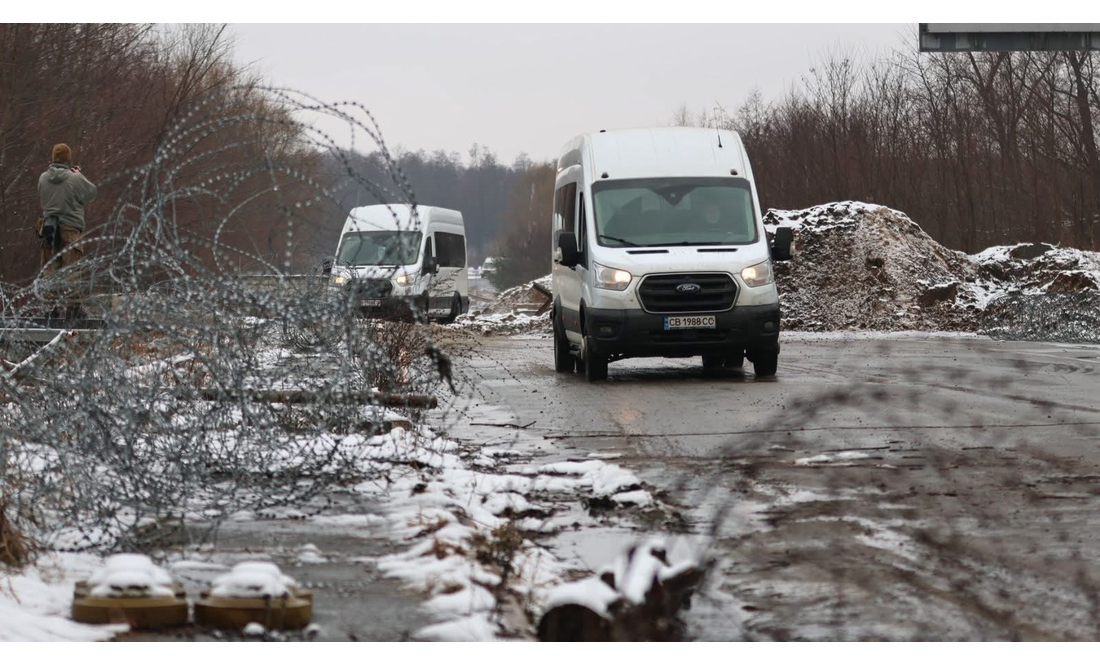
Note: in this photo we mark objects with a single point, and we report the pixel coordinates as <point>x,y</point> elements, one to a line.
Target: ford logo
<point>688,288</point>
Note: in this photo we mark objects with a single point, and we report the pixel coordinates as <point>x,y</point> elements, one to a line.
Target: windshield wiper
<point>625,242</point>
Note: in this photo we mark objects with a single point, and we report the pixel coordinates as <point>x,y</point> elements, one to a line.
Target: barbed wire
<point>1071,317</point>
<point>227,375</point>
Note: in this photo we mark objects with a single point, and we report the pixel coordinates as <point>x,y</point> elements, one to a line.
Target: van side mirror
<point>431,265</point>
<point>326,267</point>
<point>567,243</point>
<point>781,243</point>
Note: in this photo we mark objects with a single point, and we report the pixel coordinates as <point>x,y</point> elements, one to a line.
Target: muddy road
<point>889,487</point>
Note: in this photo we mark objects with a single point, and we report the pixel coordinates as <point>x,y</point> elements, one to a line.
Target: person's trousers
<point>68,253</point>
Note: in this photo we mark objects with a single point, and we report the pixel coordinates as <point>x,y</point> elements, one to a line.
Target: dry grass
<point>391,356</point>
<point>16,550</point>
<point>499,549</point>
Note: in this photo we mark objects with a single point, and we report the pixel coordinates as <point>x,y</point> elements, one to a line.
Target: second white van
<point>659,249</point>
<point>394,260</point>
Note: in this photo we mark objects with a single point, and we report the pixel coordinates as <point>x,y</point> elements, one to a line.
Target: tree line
<point>479,187</point>
<point>119,95</point>
<point>980,149</point>
<point>169,126</point>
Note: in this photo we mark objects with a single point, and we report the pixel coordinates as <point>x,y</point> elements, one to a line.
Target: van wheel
<point>456,309</point>
<point>564,362</point>
<point>595,365</point>
<point>765,363</point>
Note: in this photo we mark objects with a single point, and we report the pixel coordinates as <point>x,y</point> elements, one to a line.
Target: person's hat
<point>62,153</point>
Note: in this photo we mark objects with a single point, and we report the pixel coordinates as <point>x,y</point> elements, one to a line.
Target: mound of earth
<point>858,266</point>
<point>520,309</point>
<point>526,298</point>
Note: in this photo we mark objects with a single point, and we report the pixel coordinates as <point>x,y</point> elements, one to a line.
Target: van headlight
<point>759,274</point>
<point>404,279</point>
<point>611,278</point>
<point>339,280</point>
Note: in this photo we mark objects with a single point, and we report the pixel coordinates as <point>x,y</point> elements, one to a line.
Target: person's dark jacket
<point>64,193</point>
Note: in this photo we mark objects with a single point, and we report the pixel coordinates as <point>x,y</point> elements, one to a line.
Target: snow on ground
<point>34,604</point>
<point>469,529</point>
<point>465,530</point>
<point>504,323</point>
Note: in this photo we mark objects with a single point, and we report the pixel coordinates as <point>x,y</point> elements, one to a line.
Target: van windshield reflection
<point>379,248</point>
<point>656,212</point>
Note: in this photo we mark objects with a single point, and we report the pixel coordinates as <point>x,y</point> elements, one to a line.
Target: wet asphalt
<point>914,487</point>
<point>906,488</point>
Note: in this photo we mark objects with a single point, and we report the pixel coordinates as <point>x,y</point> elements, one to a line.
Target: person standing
<point>64,191</point>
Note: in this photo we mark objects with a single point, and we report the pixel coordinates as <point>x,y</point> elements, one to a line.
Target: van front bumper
<point>393,307</point>
<point>635,333</point>
<point>370,304</point>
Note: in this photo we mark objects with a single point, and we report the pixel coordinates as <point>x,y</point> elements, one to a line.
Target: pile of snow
<point>130,576</point>
<point>252,579</point>
<point>35,603</point>
<point>858,266</point>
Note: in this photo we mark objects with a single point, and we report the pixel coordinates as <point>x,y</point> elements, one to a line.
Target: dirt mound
<point>865,267</point>
<point>527,298</point>
<point>858,266</point>
<point>520,309</point>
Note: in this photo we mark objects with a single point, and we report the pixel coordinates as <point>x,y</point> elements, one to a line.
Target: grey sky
<point>529,88</point>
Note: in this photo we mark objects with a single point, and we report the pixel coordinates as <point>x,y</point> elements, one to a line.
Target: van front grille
<point>371,288</point>
<point>687,292</point>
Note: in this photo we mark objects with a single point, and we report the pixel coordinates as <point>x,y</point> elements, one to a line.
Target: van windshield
<point>379,248</point>
<point>674,211</point>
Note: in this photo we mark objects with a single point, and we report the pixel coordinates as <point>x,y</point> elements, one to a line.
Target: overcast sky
<point>530,88</point>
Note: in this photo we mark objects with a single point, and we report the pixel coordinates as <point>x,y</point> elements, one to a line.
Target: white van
<point>659,249</point>
<point>396,259</point>
<point>489,267</point>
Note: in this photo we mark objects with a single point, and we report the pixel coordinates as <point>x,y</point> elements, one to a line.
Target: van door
<point>450,255</point>
<point>567,280</point>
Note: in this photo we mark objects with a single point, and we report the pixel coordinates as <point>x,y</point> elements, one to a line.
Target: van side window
<point>564,207</point>
<point>452,250</point>
<point>582,230</point>
<point>557,214</point>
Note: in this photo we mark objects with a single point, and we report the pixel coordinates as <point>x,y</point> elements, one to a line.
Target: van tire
<point>564,362</point>
<point>595,365</point>
<point>765,363</point>
<point>456,309</point>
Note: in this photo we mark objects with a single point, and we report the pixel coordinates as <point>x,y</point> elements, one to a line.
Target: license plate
<point>689,322</point>
<point>372,303</point>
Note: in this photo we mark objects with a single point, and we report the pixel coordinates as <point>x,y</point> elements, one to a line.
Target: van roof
<point>397,216</point>
<point>658,152</point>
